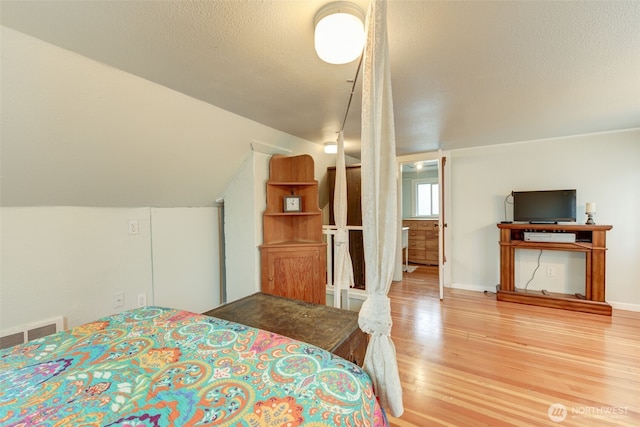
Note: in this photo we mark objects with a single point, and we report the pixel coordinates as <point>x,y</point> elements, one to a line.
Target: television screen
<point>544,206</point>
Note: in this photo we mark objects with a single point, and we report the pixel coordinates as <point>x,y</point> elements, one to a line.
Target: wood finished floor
<point>470,360</point>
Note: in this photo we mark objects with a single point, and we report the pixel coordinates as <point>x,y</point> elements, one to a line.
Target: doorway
<point>422,213</point>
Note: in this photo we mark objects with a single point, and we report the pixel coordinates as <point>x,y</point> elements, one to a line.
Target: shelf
<point>292,213</point>
<point>554,227</point>
<point>292,183</point>
<point>555,300</point>
<point>559,246</point>
<point>292,243</point>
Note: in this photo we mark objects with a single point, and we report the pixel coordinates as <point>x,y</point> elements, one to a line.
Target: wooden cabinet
<point>423,241</point>
<point>293,254</point>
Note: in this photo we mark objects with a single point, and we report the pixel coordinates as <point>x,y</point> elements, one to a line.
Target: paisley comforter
<point>162,367</point>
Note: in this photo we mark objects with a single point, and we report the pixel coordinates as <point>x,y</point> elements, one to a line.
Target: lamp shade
<point>339,35</point>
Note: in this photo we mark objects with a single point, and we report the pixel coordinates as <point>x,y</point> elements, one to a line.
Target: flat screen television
<point>548,206</point>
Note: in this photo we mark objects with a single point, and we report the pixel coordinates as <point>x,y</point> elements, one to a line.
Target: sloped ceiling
<point>464,73</point>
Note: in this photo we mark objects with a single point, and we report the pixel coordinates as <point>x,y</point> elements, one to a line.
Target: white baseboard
<point>469,287</point>
<point>624,306</point>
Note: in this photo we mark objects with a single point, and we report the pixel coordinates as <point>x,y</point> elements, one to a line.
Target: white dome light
<point>339,36</point>
<point>330,147</point>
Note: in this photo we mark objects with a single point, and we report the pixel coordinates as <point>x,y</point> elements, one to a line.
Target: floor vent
<point>32,331</point>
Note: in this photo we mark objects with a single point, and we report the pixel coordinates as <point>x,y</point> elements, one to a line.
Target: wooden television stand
<point>590,239</point>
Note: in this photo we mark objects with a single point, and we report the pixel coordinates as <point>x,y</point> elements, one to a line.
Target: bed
<point>157,366</point>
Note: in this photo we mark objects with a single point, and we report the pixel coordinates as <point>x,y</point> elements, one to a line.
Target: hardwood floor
<point>470,360</point>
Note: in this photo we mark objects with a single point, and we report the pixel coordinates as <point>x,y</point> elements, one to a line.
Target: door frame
<point>444,243</point>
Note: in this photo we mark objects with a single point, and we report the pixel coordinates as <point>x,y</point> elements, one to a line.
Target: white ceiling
<point>464,73</point>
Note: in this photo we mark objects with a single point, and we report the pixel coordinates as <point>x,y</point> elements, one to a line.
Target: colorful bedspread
<point>162,367</point>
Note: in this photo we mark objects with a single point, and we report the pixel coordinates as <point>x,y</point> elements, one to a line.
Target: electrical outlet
<point>134,226</point>
<point>551,271</point>
<point>142,300</point>
<point>118,299</point>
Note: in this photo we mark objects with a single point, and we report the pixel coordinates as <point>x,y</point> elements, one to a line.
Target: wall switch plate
<point>142,300</point>
<point>118,299</point>
<point>134,226</point>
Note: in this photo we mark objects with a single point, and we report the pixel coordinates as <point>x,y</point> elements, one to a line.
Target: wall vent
<point>32,331</point>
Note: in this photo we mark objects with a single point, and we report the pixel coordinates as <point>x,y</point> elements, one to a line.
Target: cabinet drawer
<point>431,257</point>
<point>431,245</point>
<point>417,244</point>
<point>424,225</point>
<point>416,254</point>
<point>416,235</point>
<point>409,223</point>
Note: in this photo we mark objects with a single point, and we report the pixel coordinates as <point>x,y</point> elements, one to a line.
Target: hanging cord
<point>506,200</point>
<point>527,284</point>
<point>534,272</point>
<point>353,89</point>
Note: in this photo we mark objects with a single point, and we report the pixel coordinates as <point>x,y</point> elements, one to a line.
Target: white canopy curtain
<point>343,274</point>
<point>379,209</point>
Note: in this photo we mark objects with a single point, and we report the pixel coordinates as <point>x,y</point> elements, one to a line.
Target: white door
<point>442,223</point>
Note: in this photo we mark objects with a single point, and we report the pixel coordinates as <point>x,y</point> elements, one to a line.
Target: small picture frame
<point>292,204</point>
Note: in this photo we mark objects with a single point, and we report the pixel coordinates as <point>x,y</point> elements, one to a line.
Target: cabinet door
<point>295,272</point>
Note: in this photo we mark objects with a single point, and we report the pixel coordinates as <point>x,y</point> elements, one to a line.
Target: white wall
<point>185,258</point>
<point>76,132</point>
<point>81,134</point>
<point>245,202</point>
<point>241,250</point>
<point>604,168</point>
<point>70,261</point>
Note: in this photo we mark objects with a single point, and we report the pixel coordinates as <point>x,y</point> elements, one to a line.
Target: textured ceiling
<point>464,73</point>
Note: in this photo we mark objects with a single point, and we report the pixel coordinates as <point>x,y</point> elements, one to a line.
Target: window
<point>427,197</point>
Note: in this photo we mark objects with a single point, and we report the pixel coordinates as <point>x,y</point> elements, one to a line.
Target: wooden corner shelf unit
<point>590,239</point>
<point>293,254</point>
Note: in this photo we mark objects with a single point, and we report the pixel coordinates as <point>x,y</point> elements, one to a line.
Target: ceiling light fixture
<point>330,147</point>
<point>339,36</point>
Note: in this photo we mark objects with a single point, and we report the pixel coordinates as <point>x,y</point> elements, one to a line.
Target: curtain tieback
<point>342,236</point>
<point>375,315</point>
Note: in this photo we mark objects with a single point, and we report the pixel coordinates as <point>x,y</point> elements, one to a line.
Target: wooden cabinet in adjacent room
<point>423,241</point>
<point>293,254</point>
